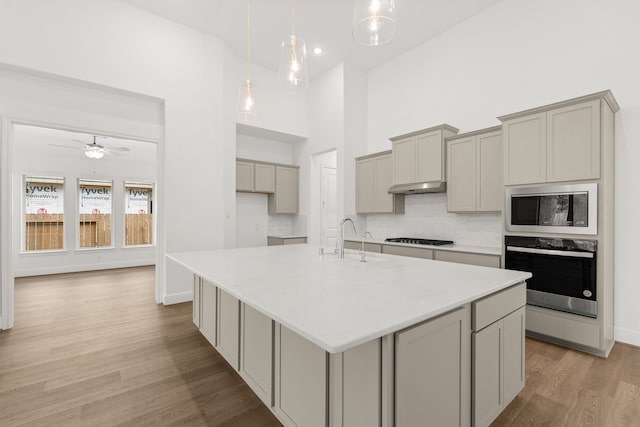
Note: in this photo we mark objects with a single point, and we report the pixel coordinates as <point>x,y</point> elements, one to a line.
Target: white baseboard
<point>627,336</point>
<point>82,267</point>
<point>178,298</point>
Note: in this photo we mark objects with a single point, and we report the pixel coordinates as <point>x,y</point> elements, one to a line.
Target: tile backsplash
<point>280,225</point>
<point>426,216</point>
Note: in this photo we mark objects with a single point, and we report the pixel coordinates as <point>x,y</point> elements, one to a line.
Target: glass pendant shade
<point>246,107</point>
<point>374,21</point>
<point>94,152</point>
<point>293,74</point>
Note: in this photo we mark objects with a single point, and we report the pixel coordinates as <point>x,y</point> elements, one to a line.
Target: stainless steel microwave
<point>553,209</point>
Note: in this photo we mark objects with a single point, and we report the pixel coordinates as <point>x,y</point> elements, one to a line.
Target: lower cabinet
<point>256,352</point>
<point>300,380</point>
<point>433,372</point>
<point>208,300</point>
<point>484,260</point>
<point>228,339</point>
<point>498,364</point>
<point>408,251</point>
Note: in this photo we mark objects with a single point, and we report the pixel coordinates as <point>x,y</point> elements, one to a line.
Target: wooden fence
<point>46,231</point>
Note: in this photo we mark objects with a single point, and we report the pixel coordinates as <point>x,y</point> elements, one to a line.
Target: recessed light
<point>317,50</point>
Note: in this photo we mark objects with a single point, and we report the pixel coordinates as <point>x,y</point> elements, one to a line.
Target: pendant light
<point>374,21</point>
<point>292,72</point>
<point>246,107</point>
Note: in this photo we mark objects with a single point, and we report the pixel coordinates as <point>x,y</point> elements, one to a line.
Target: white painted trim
<point>83,267</point>
<point>6,223</point>
<point>178,298</point>
<point>161,227</point>
<point>627,336</point>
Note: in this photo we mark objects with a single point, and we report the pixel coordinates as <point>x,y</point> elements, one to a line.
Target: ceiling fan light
<point>374,21</point>
<point>94,153</point>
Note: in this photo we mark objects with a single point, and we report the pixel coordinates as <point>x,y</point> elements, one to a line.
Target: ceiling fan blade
<point>81,142</point>
<point>64,146</point>
<point>119,148</point>
<point>108,151</point>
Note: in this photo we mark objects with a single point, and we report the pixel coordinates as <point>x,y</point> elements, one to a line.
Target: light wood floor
<point>95,349</point>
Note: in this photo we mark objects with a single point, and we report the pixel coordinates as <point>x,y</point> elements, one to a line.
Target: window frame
<point>78,219</point>
<point>23,214</point>
<point>142,184</point>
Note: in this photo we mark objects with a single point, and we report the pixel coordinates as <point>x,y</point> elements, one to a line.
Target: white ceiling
<point>55,143</point>
<point>323,23</point>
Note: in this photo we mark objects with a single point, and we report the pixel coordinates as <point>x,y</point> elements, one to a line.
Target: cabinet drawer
<point>468,258</point>
<point>407,251</point>
<point>496,306</point>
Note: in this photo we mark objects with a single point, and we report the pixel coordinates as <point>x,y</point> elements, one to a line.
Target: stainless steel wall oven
<point>564,272</point>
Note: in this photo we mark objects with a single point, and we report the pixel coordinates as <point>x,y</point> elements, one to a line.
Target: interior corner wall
<point>518,55</point>
<point>119,46</point>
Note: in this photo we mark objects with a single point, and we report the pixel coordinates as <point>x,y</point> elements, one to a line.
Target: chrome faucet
<point>342,234</point>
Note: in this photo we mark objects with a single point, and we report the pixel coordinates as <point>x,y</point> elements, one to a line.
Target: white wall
<point>33,156</point>
<point>120,46</point>
<point>517,55</point>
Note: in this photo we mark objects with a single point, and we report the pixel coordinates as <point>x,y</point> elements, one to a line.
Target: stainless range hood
<point>419,187</point>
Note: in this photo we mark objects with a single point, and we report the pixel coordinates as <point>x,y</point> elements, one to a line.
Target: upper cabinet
<point>558,142</point>
<point>420,156</point>
<point>374,176</point>
<point>474,171</point>
<point>285,198</point>
<point>255,177</point>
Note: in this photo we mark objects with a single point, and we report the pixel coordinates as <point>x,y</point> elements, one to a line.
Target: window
<point>138,212</point>
<point>95,214</point>
<point>43,213</point>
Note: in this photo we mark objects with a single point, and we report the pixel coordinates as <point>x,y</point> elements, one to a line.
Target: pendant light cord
<point>248,39</point>
<point>293,17</point>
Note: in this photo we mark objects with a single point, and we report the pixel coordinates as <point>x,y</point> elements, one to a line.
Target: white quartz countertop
<point>454,248</point>
<point>341,303</point>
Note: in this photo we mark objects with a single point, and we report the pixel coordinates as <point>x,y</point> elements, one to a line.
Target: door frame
<point>324,166</point>
<point>7,288</point>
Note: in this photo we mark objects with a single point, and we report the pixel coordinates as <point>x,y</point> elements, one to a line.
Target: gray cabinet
<point>278,241</point>
<point>420,156</point>
<point>300,380</point>
<point>285,198</point>
<point>408,251</point>
<point>208,303</point>
<point>254,177</point>
<point>196,301</point>
<point>484,260</point>
<point>555,143</point>
<point>474,171</point>
<point>498,348</point>
<point>374,176</point>
<point>433,372</point>
<point>256,352</point>
<point>228,328</point>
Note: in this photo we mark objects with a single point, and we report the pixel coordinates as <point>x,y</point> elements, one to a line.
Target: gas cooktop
<point>419,241</point>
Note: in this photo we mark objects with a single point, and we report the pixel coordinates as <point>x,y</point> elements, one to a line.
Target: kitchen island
<point>329,341</point>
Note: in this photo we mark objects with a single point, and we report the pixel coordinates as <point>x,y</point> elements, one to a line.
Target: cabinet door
<point>433,372</point>
<point>573,142</point>
<point>196,300</point>
<point>430,158</point>
<point>513,354</point>
<point>488,399</point>
<point>364,186</point>
<point>468,258</point>
<point>265,178</point>
<point>208,300</point>
<point>404,161</point>
<point>228,327</point>
<point>383,179</point>
<point>525,150</point>
<point>461,175</point>
<point>285,199</point>
<point>256,354</point>
<point>490,193</point>
<point>244,176</point>
<point>301,380</point>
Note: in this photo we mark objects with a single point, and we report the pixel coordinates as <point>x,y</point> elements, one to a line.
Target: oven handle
<point>573,254</point>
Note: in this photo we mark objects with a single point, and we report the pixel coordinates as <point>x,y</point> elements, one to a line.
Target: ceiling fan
<point>94,150</point>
